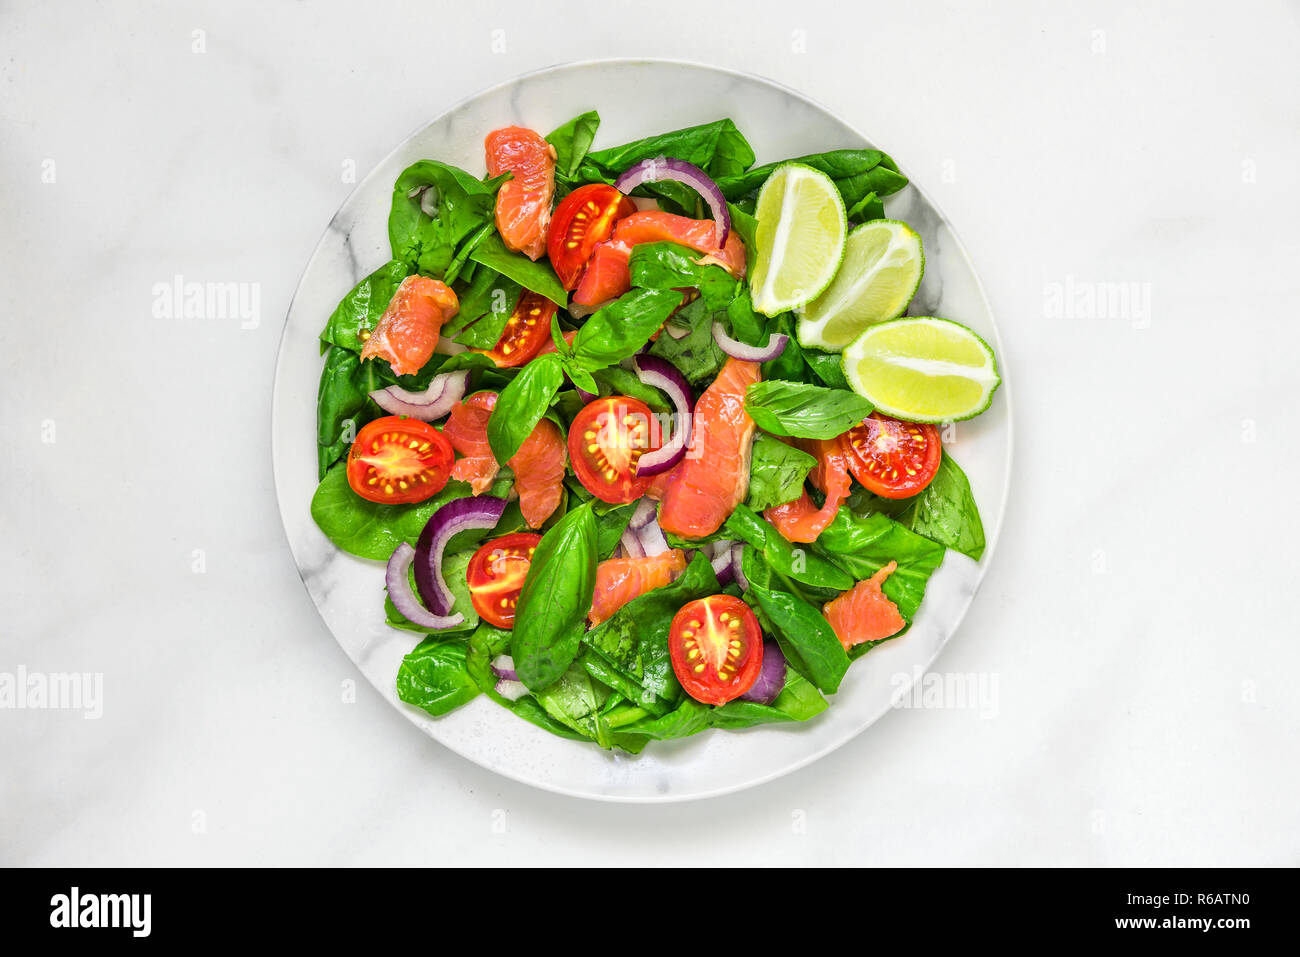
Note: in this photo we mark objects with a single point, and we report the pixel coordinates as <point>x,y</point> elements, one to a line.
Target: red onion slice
<point>652,539</point>
<point>771,676</point>
<point>510,690</point>
<point>503,666</point>
<point>661,168</point>
<point>645,512</point>
<point>663,375</point>
<point>404,600</point>
<point>739,350</point>
<point>457,515</point>
<point>632,547</point>
<point>433,403</point>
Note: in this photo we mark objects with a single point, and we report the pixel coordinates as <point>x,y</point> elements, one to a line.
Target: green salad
<point>643,435</point>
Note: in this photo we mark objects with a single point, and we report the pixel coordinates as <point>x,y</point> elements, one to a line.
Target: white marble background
<point>1137,619</point>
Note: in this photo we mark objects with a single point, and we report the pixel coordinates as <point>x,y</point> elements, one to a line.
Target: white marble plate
<point>635,98</point>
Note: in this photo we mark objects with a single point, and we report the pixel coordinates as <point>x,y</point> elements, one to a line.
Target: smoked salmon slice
<point>864,612</point>
<point>523,211</point>
<point>619,580</point>
<point>713,478</point>
<point>801,520</point>
<point>538,465</point>
<point>408,331</point>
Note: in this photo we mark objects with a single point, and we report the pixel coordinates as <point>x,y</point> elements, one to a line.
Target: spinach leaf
<point>696,355</point>
<point>796,563</point>
<point>429,243</point>
<point>537,276</point>
<point>798,701</point>
<point>944,511</point>
<point>521,405</point>
<point>619,330</point>
<point>828,366</point>
<point>572,141</point>
<point>776,472</point>
<point>718,148</point>
<point>862,545</point>
<point>571,700</point>
<point>610,527</point>
<point>789,366</point>
<point>689,717</point>
<point>368,529</point>
<point>434,676</point>
<point>551,615</point>
<point>857,173</point>
<point>870,206</point>
<point>485,307</point>
<point>343,403</point>
<point>634,639</point>
<point>802,410</point>
<point>667,265</point>
<point>485,644</point>
<point>805,636</point>
<point>362,308</point>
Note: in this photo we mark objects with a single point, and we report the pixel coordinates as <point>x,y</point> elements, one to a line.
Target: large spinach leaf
<point>619,330</point>
<point>368,529</point>
<point>944,511</point>
<point>362,308</point>
<point>696,355</point>
<point>805,411</point>
<point>798,701</point>
<point>718,148</point>
<point>805,636</point>
<point>488,642</point>
<point>862,545</point>
<point>537,276</point>
<point>796,563</point>
<point>857,174</point>
<point>462,206</point>
<point>434,676</point>
<point>553,604</point>
<point>572,141</point>
<point>486,303</point>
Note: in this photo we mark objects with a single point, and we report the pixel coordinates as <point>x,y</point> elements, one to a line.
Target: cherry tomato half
<point>716,647</point>
<point>526,331</point>
<point>395,460</point>
<point>584,218</point>
<point>892,458</point>
<point>605,441</point>
<point>496,575</point>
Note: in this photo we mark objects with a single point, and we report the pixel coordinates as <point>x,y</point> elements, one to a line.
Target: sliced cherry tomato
<point>526,331</point>
<point>496,575</point>
<point>605,441</point>
<point>395,460</point>
<point>584,218</point>
<point>716,648</point>
<point>892,458</point>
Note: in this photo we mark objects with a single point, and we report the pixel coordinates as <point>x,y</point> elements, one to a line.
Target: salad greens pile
<point>614,683</point>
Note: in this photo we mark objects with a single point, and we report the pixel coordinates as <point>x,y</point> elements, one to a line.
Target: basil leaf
<point>521,405</point>
<point>805,636</point>
<point>434,676</point>
<point>776,472</point>
<point>805,411</point>
<point>667,265</point>
<point>463,205</point>
<point>551,615</point>
<point>361,309</point>
<point>485,644</point>
<point>369,529</point>
<point>796,563</point>
<point>537,276</point>
<point>619,330</point>
<point>572,141</point>
<point>618,381</point>
<point>856,173</point>
<point>862,545</point>
<point>869,207</point>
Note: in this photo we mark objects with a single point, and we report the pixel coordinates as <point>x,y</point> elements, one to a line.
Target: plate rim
<point>991,542</point>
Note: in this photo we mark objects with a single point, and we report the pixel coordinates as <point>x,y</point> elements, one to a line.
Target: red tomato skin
<point>487,563</point>
<point>381,461</point>
<point>583,219</point>
<point>882,449</point>
<point>527,330</point>
<point>701,633</point>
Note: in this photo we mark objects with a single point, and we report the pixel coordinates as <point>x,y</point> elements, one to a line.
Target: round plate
<point>635,98</point>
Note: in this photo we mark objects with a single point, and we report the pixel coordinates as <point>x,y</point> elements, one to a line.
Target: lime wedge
<point>882,267</point>
<point>800,238</point>
<point>922,369</point>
